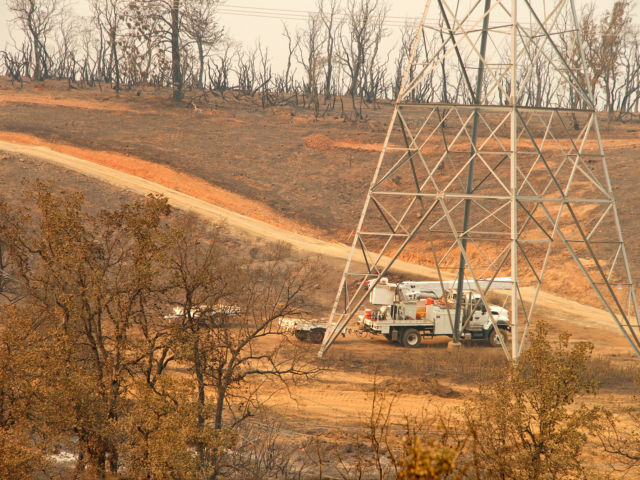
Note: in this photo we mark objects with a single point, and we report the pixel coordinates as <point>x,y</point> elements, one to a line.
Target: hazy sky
<point>249,30</point>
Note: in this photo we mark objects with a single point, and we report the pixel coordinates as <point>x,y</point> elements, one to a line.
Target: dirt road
<point>201,207</point>
<point>589,321</point>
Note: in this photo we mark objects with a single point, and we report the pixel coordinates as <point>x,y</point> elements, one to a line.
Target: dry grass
<point>471,365</point>
<point>421,370</point>
<point>172,178</point>
<point>612,375</point>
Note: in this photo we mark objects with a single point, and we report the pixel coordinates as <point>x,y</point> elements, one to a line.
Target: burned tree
<point>160,23</point>
<point>605,45</point>
<point>310,46</point>
<point>332,25</point>
<point>360,44</point>
<point>37,20</point>
<point>108,15</point>
<point>201,28</point>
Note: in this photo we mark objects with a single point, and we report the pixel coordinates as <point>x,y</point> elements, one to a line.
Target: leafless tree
<point>629,92</point>
<point>37,20</point>
<point>267,97</point>
<point>200,27</point>
<point>360,44</point>
<point>332,26</point>
<point>309,55</point>
<point>16,63</point>
<point>247,70</point>
<point>540,84</point>
<point>407,34</point>
<point>63,58</point>
<point>293,41</point>
<point>265,453</point>
<point>220,67</point>
<point>89,60</point>
<point>108,16</point>
<point>426,90</point>
<point>174,33</point>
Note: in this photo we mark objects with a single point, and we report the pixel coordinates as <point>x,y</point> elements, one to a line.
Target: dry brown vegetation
<point>279,165</point>
<point>95,363</point>
<point>295,430</point>
<point>101,378</point>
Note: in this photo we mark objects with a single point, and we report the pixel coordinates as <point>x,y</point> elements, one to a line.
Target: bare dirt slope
<point>279,164</point>
<point>577,317</point>
<point>338,399</point>
<point>301,179</point>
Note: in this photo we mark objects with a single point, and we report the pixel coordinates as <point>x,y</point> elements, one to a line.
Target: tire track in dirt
<point>571,312</point>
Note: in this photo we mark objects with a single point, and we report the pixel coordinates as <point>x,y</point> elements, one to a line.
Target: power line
<point>292,11</point>
<point>303,15</point>
<point>297,15</point>
<point>287,17</point>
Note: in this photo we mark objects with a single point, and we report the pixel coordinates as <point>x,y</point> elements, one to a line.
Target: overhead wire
<point>303,15</point>
<point>299,15</point>
<point>292,11</point>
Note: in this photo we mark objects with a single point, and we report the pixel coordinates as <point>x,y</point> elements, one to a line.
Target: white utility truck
<point>405,312</point>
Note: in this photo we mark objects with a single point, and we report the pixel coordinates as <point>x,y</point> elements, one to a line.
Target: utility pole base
<point>452,345</point>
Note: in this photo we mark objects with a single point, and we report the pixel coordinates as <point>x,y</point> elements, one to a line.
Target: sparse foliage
<point>37,20</point>
<point>89,349</point>
<point>526,425</point>
<point>605,46</point>
<point>432,461</point>
<point>201,27</point>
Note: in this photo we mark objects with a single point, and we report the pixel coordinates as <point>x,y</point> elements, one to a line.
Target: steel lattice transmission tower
<point>500,173</point>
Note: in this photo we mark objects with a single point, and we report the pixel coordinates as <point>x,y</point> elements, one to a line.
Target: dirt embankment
<point>279,165</point>
<point>168,177</point>
<point>313,173</point>
<point>233,145</point>
<point>248,187</point>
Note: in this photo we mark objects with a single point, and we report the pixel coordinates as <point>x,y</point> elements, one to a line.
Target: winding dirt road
<point>587,322</point>
<point>201,207</point>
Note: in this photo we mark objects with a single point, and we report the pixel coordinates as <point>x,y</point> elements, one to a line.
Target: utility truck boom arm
<point>434,289</point>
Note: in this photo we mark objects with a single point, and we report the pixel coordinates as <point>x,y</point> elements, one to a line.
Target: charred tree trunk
<point>201,59</point>
<point>114,59</point>
<point>176,72</point>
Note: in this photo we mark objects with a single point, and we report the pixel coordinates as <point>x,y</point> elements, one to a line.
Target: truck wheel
<point>494,341</point>
<point>411,338</point>
<point>316,335</point>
